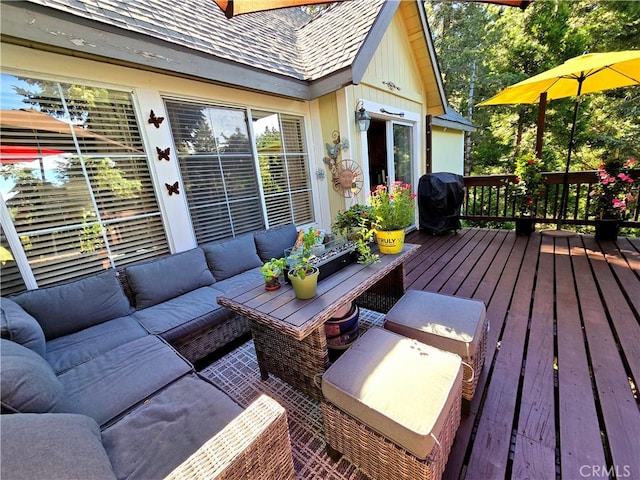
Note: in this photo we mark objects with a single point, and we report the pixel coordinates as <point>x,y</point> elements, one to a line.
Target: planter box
<point>333,258</point>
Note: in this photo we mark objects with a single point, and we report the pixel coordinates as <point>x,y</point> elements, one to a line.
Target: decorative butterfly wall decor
<point>155,120</point>
<point>172,188</point>
<point>163,154</point>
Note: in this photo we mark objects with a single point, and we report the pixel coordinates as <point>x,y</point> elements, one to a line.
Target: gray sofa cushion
<point>71,350</point>
<point>53,445</point>
<point>158,435</point>
<point>226,259</point>
<point>20,327</point>
<point>179,317</point>
<point>169,277</point>
<point>27,383</point>
<point>249,277</point>
<point>69,308</point>
<point>272,243</point>
<point>115,381</point>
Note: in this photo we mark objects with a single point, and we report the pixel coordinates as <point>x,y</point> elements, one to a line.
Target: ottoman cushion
<point>398,386</point>
<point>450,323</point>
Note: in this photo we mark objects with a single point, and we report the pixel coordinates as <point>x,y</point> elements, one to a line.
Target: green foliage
<point>612,195</point>
<point>528,186</point>
<point>300,260</point>
<point>352,218</point>
<point>363,243</point>
<point>273,268</point>
<point>503,45</point>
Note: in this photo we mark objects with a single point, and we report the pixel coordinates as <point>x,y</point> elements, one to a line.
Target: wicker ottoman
<point>454,324</point>
<point>392,406</point>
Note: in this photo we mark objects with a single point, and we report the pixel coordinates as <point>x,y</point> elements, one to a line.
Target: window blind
<point>75,178</point>
<point>217,168</point>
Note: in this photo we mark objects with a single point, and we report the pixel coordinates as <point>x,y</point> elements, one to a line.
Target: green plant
<point>352,219</point>
<point>273,268</point>
<point>528,186</point>
<point>393,208</point>
<point>612,194</point>
<point>300,259</point>
<point>363,243</point>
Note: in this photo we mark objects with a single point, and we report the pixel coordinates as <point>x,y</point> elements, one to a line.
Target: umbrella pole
<point>542,108</point>
<point>565,180</point>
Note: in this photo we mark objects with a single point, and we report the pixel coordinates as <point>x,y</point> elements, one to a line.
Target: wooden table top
<point>280,309</point>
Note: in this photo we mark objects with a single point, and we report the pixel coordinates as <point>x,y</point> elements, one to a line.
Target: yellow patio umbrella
<point>588,73</point>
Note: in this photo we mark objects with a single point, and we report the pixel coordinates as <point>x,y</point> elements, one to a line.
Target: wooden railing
<point>487,199</point>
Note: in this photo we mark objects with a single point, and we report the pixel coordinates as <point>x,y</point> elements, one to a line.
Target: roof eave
<point>438,122</point>
<point>438,101</point>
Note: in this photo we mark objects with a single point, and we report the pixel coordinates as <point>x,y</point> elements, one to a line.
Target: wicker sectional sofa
<point>97,380</point>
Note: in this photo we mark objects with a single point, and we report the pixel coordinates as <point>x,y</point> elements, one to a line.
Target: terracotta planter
<point>525,226</point>
<point>390,242</point>
<point>306,287</point>
<point>607,229</point>
<point>272,284</point>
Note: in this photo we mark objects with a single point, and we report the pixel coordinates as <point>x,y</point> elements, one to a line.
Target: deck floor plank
<point>493,282</point>
<point>459,265</point>
<point>563,352</point>
<point>474,266</point>
<point>618,406</point>
<point>439,259</point>
<point>497,419</point>
<point>626,326</point>
<point>536,423</point>
<point>580,442</point>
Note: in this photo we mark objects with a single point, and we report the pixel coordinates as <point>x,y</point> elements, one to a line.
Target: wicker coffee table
<point>288,333</point>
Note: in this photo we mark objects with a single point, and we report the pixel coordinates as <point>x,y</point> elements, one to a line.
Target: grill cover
<point>440,197</point>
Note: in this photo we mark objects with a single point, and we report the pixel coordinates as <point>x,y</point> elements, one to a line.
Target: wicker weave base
<point>380,458</point>
<point>207,340</point>
<point>472,367</point>
<point>300,363</point>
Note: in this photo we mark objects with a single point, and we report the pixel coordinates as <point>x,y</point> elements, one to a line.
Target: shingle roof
<point>282,41</point>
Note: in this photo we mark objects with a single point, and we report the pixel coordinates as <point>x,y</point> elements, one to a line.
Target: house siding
<point>149,89</point>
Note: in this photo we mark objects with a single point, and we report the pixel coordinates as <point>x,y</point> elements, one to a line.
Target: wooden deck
<point>557,397</point>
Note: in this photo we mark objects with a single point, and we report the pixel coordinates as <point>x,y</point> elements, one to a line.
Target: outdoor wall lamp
<point>363,119</point>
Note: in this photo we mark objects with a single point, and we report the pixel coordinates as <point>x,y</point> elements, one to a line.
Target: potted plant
<point>393,210</point>
<point>349,222</point>
<point>527,188</point>
<point>271,272</point>
<point>611,196</point>
<point>302,273</point>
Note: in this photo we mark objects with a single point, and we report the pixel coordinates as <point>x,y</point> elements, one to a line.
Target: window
<point>284,169</point>
<point>75,180</point>
<point>222,178</point>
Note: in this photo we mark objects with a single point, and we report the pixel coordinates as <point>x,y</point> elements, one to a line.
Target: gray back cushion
<point>53,445</point>
<point>71,307</point>
<point>226,259</point>
<point>20,327</point>
<point>272,243</point>
<point>168,277</point>
<point>27,382</point>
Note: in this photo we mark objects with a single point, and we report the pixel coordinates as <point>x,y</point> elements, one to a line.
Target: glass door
<point>390,147</point>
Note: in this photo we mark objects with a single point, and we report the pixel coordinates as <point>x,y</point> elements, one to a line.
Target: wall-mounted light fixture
<point>363,119</point>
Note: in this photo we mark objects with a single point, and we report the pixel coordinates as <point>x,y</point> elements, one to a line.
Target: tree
<point>509,45</point>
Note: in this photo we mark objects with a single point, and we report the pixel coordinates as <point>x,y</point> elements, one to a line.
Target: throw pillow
<point>272,243</point>
<point>74,306</point>
<point>226,259</point>
<point>169,277</point>
<point>20,327</point>
<point>27,382</point>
